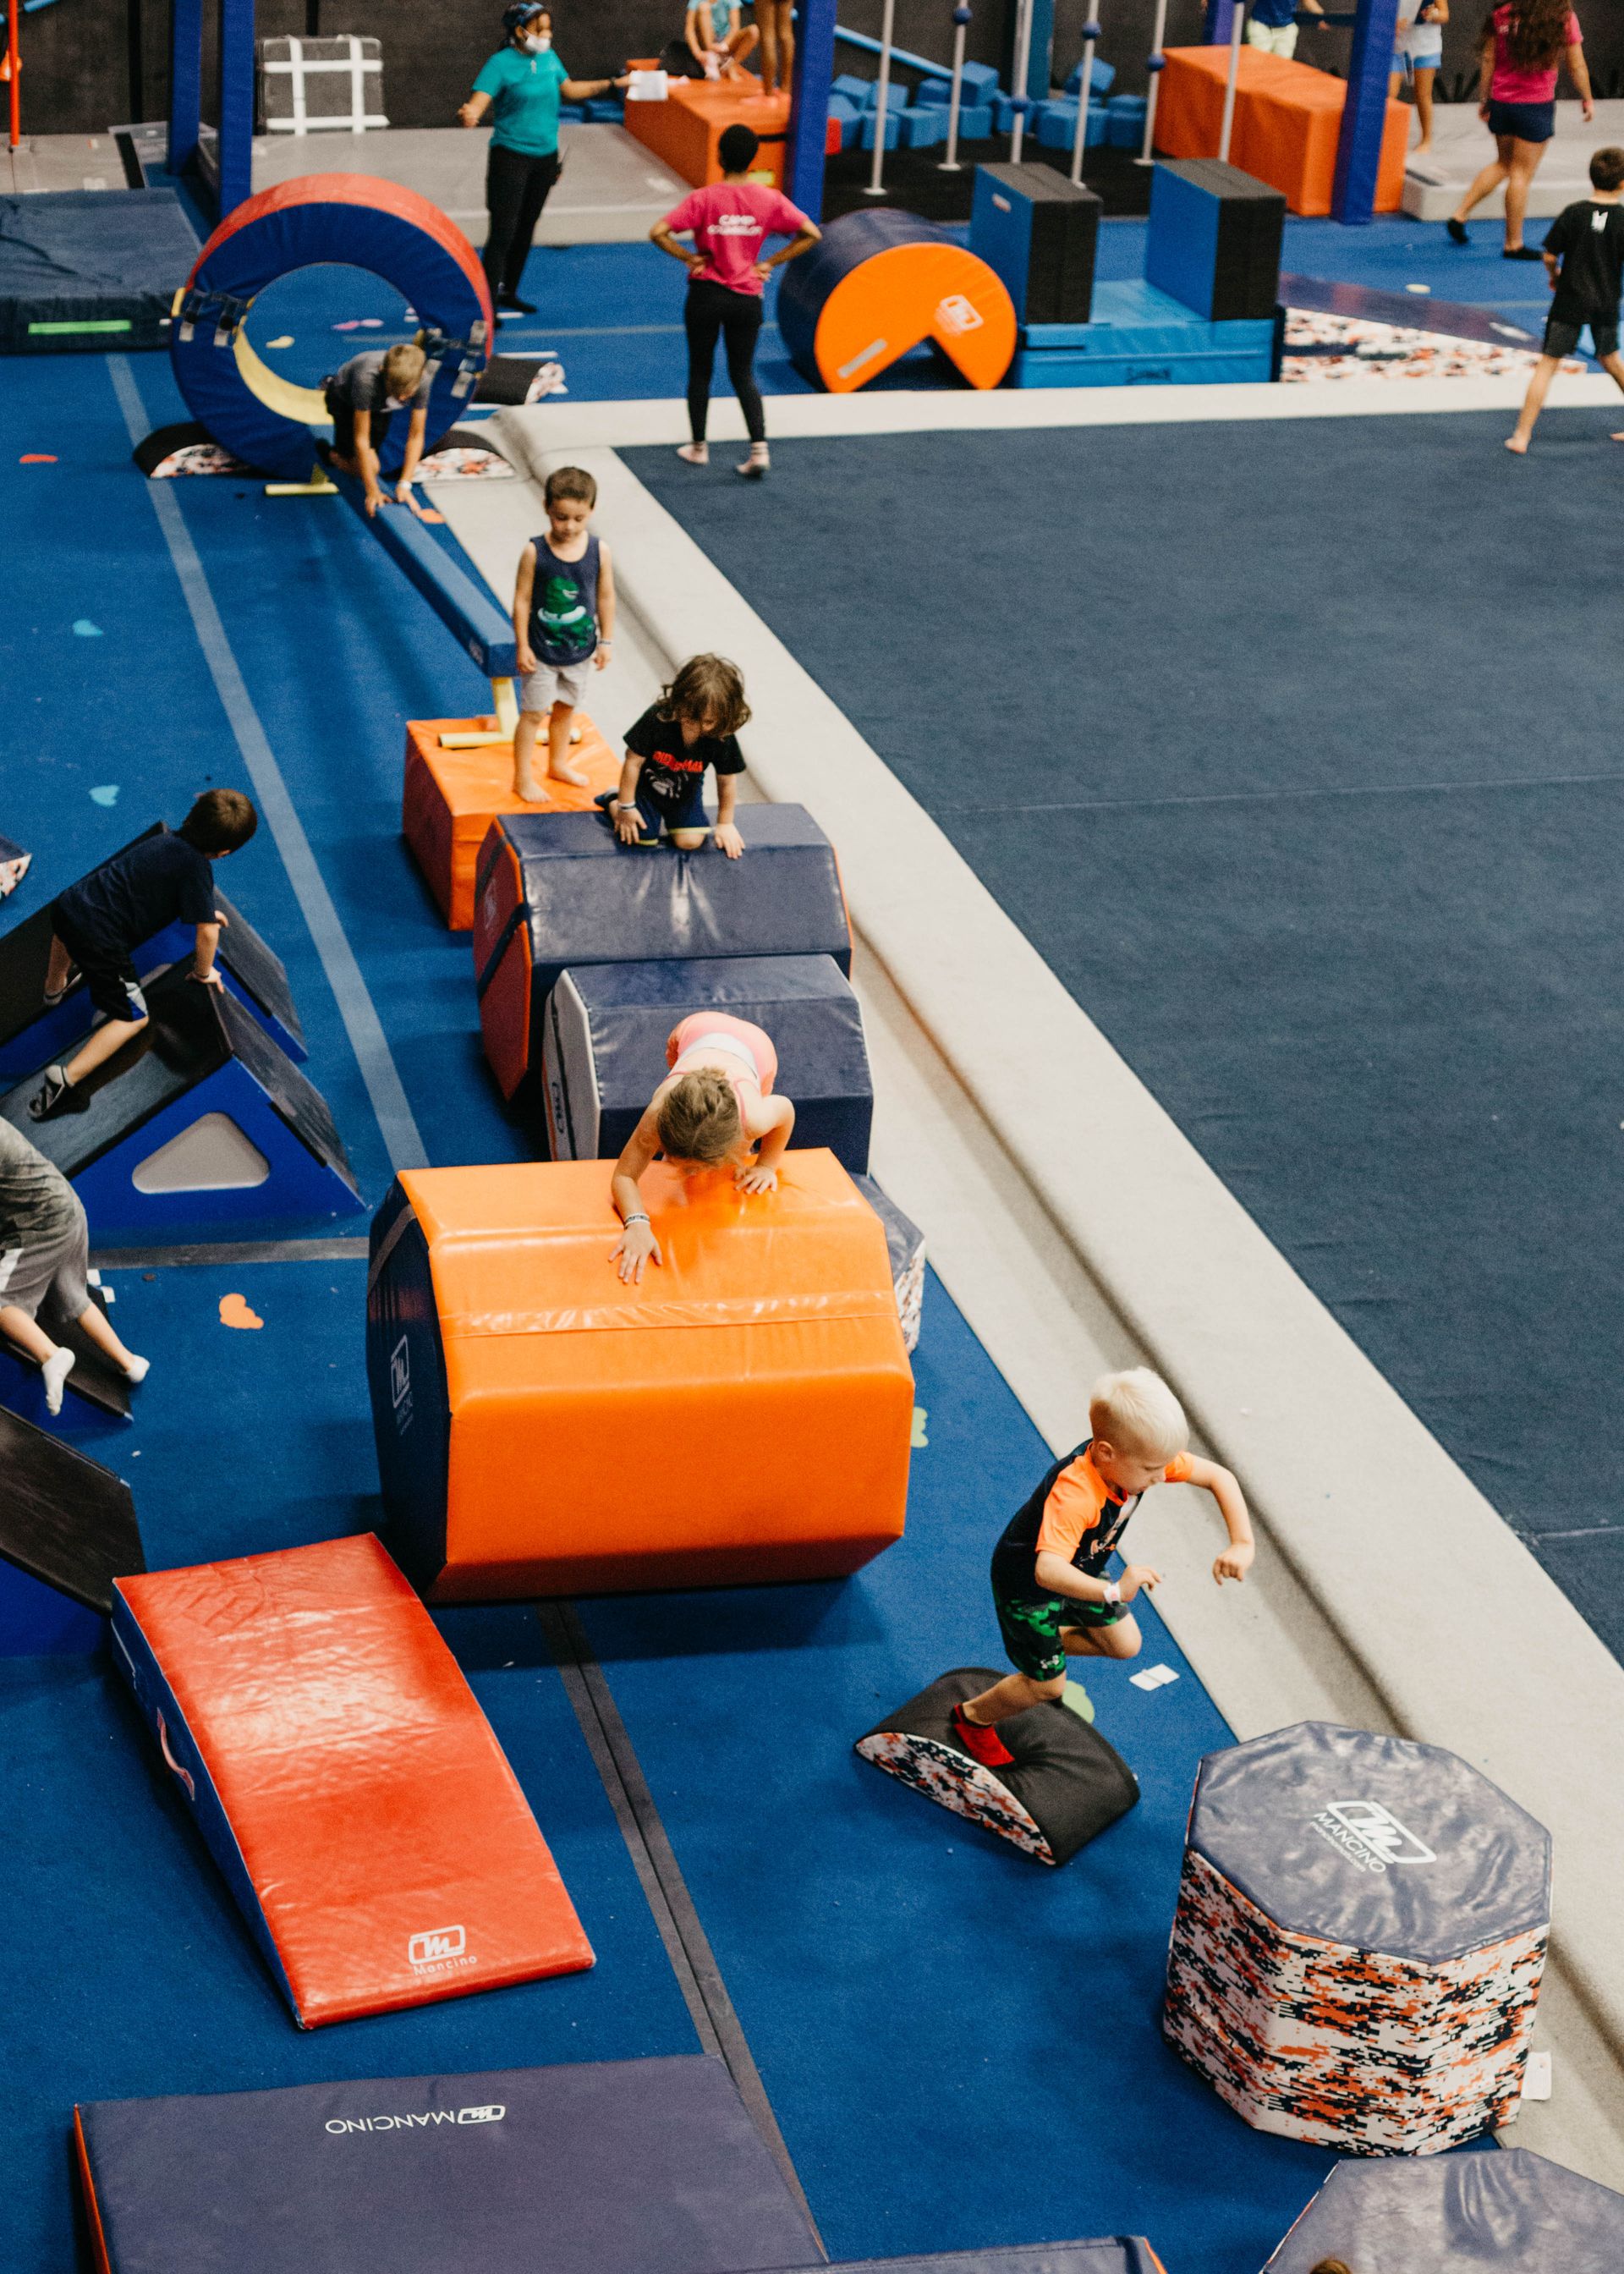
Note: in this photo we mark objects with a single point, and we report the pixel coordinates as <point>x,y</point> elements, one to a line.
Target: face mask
<point>537,43</point>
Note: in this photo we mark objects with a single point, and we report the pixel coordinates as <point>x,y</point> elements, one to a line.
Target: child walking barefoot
<point>1048,1582</point>
<point>563,619</point>
<point>1584,262</point>
<point>715,1107</point>
<point>45,1248</point>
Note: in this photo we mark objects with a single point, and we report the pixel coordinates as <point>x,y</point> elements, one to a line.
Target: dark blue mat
<point>90,269</point>
<point>1293,750</point>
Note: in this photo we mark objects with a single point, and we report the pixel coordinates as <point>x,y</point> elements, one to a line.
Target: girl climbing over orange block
<point>715,1107</point>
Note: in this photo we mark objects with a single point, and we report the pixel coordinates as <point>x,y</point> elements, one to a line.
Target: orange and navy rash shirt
<point>1074,1513</point>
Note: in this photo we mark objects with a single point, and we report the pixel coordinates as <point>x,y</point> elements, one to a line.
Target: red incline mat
<point>345,1780</point>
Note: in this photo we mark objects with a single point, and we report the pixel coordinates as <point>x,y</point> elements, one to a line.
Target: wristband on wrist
<point>637,1216</point>
<point>1113,1593</point>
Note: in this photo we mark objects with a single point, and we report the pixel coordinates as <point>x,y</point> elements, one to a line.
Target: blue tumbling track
<point>960,2048</point>
<point>1313,806</point>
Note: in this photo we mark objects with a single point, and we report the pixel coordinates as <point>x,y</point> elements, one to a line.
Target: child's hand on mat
<point>526,661</point>
<point>756,1177</point>
<point>628,827</point>
<point>637,1246</point>
<point>374,499</point>
<point>1136,1576</point>
<point>728,837</point>
<point>1234,1563</point>
<point>207,978</point>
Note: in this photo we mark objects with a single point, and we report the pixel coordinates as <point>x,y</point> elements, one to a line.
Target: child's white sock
<point>55,1369</point>
<point>139,1368</point>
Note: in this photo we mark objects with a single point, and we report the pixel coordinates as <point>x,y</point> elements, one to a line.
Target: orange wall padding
<point>386,1849</point>
<point>743,1415</point>
<point>685,129</point>
<point>451,797</point>
<point>1287,117</point>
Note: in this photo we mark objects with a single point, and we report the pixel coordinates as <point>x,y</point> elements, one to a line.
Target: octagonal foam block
<point>1511,2214</point>
<point>1360,1933</point>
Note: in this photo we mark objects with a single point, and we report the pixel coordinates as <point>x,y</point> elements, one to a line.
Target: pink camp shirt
<point>730,222</point>
<point>1513,82</point>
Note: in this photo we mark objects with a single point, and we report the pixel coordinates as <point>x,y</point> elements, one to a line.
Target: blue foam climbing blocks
<point>923,127</point>
<point>893,129</point>
<point>1138,337</point>
<point>1125,115</point>
<point>1214,238</point>
<point>856,91</point>
<point>934,90</point>
<point>1102,78</point>
<point>1056,125</point>
<point>606,1027</point>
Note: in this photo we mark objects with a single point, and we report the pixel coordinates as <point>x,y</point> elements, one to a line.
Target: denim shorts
<point>1527,122</point>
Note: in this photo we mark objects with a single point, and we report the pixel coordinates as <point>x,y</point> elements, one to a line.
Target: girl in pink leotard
<point>715,1106</point>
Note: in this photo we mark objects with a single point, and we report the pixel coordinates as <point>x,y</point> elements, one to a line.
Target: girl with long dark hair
<point>1523,46</point>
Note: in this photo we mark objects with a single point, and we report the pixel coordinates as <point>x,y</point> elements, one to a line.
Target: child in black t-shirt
<point>98,923</point>
<point>1584,260</point>
<point>692,727</point>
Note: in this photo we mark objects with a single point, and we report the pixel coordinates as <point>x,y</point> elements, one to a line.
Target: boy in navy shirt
<point>98,923</point>
<point>691,731</point>
<point>1584,260</point>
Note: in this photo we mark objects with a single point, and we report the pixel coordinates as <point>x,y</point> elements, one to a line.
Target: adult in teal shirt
<point>521,87</point>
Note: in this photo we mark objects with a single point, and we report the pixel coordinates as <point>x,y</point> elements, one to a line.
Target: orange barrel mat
<point>451,797</point>
<point>545,1429</point>
<point>344,1780</point>
<point>877,285</point>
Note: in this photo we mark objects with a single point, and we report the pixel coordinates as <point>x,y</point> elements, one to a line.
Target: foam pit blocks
<point>344,1780</point>
<point>558,890</point>
<point>199,1120</point>
<point>450,798</point>
<point>1214,238</point>
<point>1515,2213</point>
<point>1359,1939</point>
<point>607,1026</point>
<point>1066,1786</point>
<point>505,1355</point>
<point>595,2167</point>
<point>1039,232</point>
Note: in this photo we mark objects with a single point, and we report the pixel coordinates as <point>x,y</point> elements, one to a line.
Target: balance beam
<point>465,609</point>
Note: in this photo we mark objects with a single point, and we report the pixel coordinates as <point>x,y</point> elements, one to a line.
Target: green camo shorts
<point>1031,1630</point>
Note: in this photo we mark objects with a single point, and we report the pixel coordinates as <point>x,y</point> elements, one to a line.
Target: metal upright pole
<point>1155,63</point>
<point>887,26</point>
<point>1084,87</point>
<point>14,72</point>
<point>1018,100</point>
<point>961,25</point>
<point>1237,24</point>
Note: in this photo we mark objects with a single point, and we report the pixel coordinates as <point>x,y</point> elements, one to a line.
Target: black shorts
<point>1524,122</point>
<point>109,977</point>
<point>661,815</point>
<point>1562,335</point>
<point>343,415</point>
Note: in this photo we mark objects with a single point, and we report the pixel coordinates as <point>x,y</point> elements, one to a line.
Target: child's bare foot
<point>1519,443</point>
<point>558,771</point>
<point>983,1744</point>
<point>1616,438</point>
<point>531,793</point>
<point>695,454</point>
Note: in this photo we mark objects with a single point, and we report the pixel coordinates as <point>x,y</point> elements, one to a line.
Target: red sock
<point>982,1744</point>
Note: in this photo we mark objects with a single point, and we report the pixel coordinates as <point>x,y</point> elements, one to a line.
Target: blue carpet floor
<point>1293,749</point>
<point>903,1981</point>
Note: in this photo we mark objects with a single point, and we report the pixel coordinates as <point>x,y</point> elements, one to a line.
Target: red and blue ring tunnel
<point>251,409</point>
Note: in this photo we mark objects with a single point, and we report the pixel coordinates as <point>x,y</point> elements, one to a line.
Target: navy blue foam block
<point>1215,237</point>
<point>465,609</point>
<point>202,1077</point>
<point>32,1035</point>
<point>1511,2213</point>
<point>91,269</point>
<point>68,1530</point>
<point>602,2167</point>
<point>604,1047</point>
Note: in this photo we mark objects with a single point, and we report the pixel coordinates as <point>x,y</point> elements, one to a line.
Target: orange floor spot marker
<point>36,458</point>
<point>233,1312</point>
